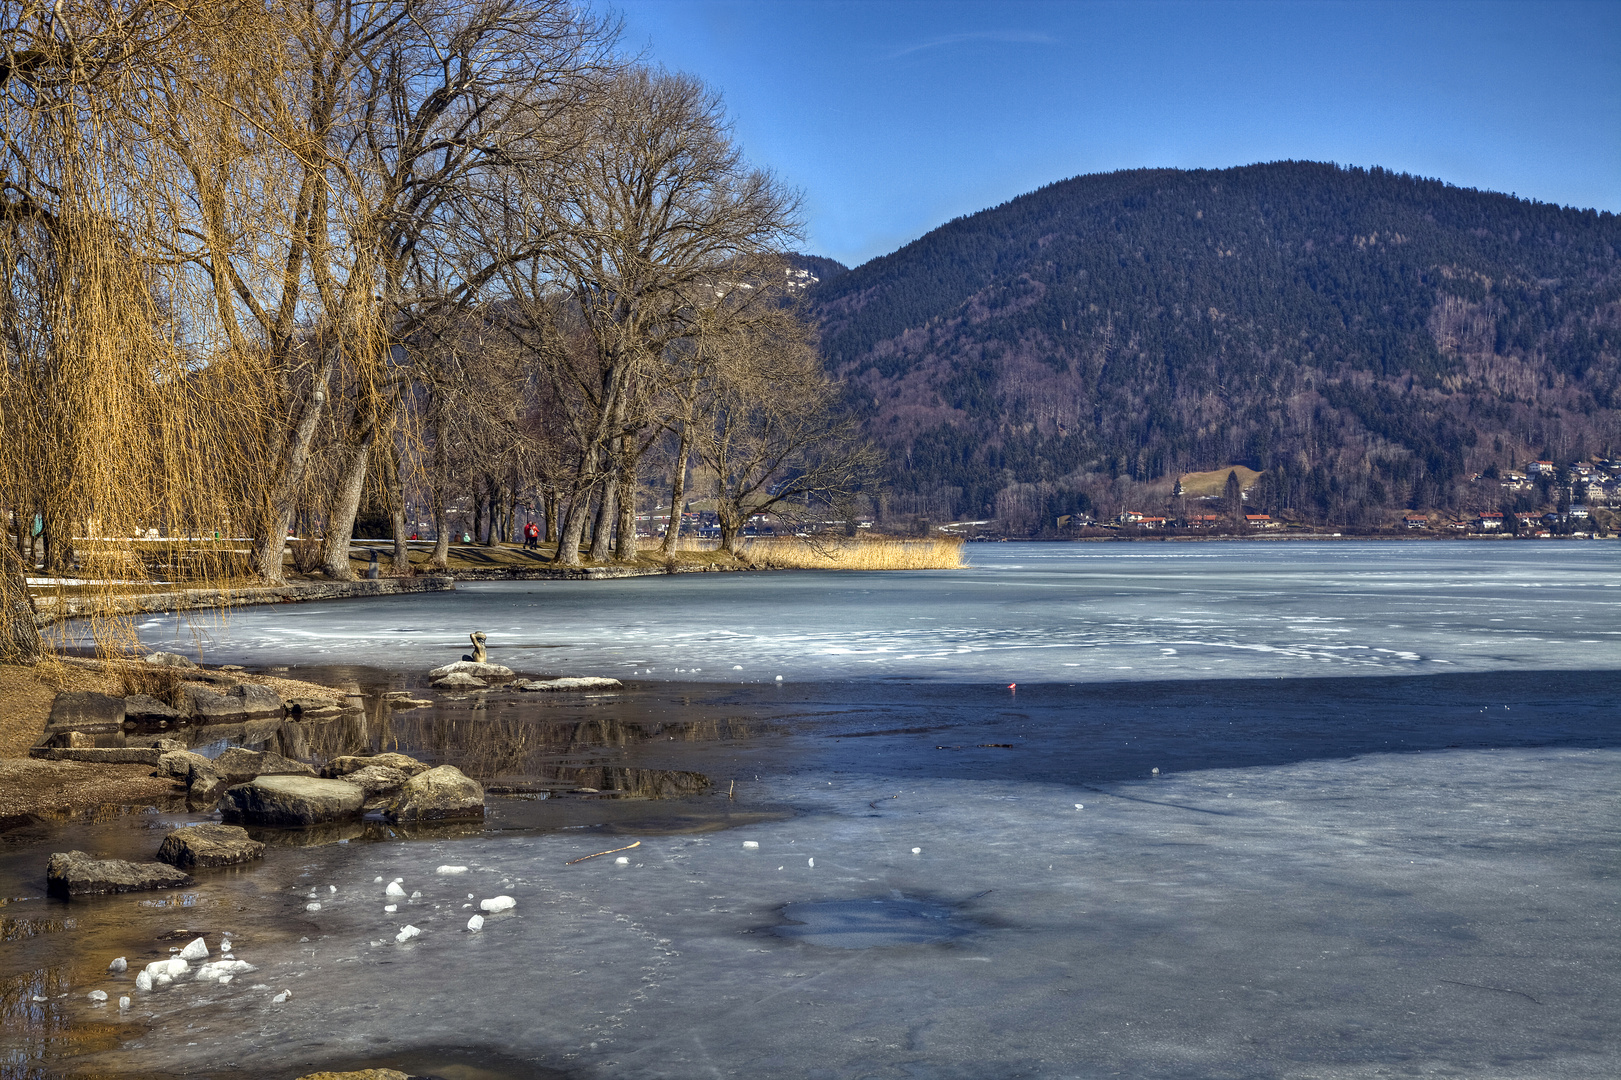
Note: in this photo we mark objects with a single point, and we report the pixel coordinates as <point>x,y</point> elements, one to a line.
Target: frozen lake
<point>1384,837</point>
<point>1020,613</point>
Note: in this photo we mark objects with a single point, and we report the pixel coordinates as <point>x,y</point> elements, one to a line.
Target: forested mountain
<point>1369,339</point>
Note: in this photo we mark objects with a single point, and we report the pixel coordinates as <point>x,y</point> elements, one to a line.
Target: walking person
<point>531,537</point>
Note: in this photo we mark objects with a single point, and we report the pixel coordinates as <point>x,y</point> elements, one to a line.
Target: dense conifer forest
<point>1369,339</point>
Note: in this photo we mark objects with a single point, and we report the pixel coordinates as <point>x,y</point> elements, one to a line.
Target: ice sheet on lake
<point>1445,912</point>
<point>1026,613</point>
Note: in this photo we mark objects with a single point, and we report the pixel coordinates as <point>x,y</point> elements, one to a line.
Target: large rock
<point>169,659</point>
<point>178,765</point>
<point>82,710</point>
<point>244,701</point>
<point>459,680</point>
<point>99,755</point>
<point>74,873</point>
<point>375,779</point>
<point>441,794</point>
<point>209,845</point>
<point>469,667</point>
<point>363,1074</point>
<point>238,765</point>
<point>141,709</point>
<point>343,766</point>
<point>292,801</point>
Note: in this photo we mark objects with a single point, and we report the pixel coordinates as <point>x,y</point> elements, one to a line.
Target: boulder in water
<point>589,682</point>
<point>459,680</point>
<point>340,767</point>
<point>292,801</point>
<point>441,794</point>
<point>238,765</point>
<point>209,845</point>
<point>474,668</point>
<point>75,873</point>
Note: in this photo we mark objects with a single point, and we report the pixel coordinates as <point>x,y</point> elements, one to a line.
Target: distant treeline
<point>1369,338</point>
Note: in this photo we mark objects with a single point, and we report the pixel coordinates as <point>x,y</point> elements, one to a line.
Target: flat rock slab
<point>74,873</point>
<point>82,710</point>
<point>468,667</point>
<point>442,794</point>
<point>245,701</point>
<point>343,766</point>
<point>141,709</point>
<point>100,755</point>
<point>292,801</point>
<point>363,1074</point>
<point>209,845</point>
<point>375,779</point>
<point>590,682</point>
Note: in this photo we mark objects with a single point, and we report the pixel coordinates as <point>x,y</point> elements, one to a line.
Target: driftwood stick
<point>599,854</point>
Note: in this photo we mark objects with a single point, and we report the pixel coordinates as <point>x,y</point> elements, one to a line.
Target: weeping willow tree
<point>106,431</point>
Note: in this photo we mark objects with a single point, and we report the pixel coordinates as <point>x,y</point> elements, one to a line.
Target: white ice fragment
<point>810,862</point>
<point>118,965</point>
<point>143,981</point>
<point>469,896</point>
<point>407,932</point>
<point>917,851</point>
<point>751,843</point>
<point>225,946</point>
<point>312,907</point>
<point>779,678</point>
<point>224,979</point>
<point>377,880</point>
<point>281,997</point>
<point>622,861</point>
<point>331,888</point>
<point>1080,806</point>
<point>393,889</point>
<point>164,978</point>
<point>451,870</point>
<point>1155,770</point>
<point>123,1002</point>
<point>40,997</point>
<point>417,895</point>
<point>176,966</point>
<point>398,880</point>
<point>737,667</point>
<point>391,908</point>
<point>476,923</point>
<point>223,968</point>
<point>98,996</point>
<point>497,903</point>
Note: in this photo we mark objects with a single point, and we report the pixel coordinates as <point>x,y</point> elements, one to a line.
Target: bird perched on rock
<point>478,654</point>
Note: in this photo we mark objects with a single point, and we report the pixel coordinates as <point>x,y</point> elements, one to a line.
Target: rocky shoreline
<point>50,609</point>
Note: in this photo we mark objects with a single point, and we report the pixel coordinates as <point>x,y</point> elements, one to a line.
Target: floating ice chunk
<point>312,907</point>
<point>391,908</point>
<point>225,946</point>
<point>399,881</point>
<point>1080,806</point>
<point>281,997</point>
<point>123,1002</point>
<point>1155,770</point>
<point>810,862</point>
<point>225,979</point>
<point>451,870</point>
<point>227,968</point>
<point>476,923</point>
<point>469,896</point>
<point>417,895</point>
<point>163,978</point>
<point>118,965</point>
<point>98,996</point>
<point>737,667</point>
<point>377,880</point>
<point>917,851</point>
<point>143,981</point>
<point>779,678</point>
<point>622,861</point>
<point>40,997</point>
<point>393,889</point>
<point>751,843</point>
<point>497,903</point>
<point>407,932</point>
<point>176,966</point>
<point>331,888</point>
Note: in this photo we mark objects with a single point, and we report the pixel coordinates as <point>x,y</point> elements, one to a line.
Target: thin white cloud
<point>1000,36</point>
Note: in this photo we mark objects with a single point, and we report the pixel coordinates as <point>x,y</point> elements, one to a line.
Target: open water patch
<point>872,922</point>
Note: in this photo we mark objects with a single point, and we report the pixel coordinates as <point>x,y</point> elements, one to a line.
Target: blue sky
<point>894,117</point>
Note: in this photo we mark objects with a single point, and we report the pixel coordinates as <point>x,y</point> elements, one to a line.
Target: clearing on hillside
<point>1214,482</point>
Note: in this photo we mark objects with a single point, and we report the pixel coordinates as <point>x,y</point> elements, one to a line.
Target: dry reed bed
<point>935,553</point>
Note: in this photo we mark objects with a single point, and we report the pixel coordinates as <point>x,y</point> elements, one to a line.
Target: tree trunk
<point>19,634</point>
<point>568,545</point>
<point>602,532</point>
<point>340,525</point>
<point>678,492</point>
<point>292,464</point>
<point>441,534</point>
<point>552,505</point>
<point>625,543</point>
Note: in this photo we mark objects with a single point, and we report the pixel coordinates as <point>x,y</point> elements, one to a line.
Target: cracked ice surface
<point>1452,911</point>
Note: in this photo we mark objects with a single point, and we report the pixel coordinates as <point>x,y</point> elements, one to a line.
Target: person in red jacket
<point>531,537</point>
